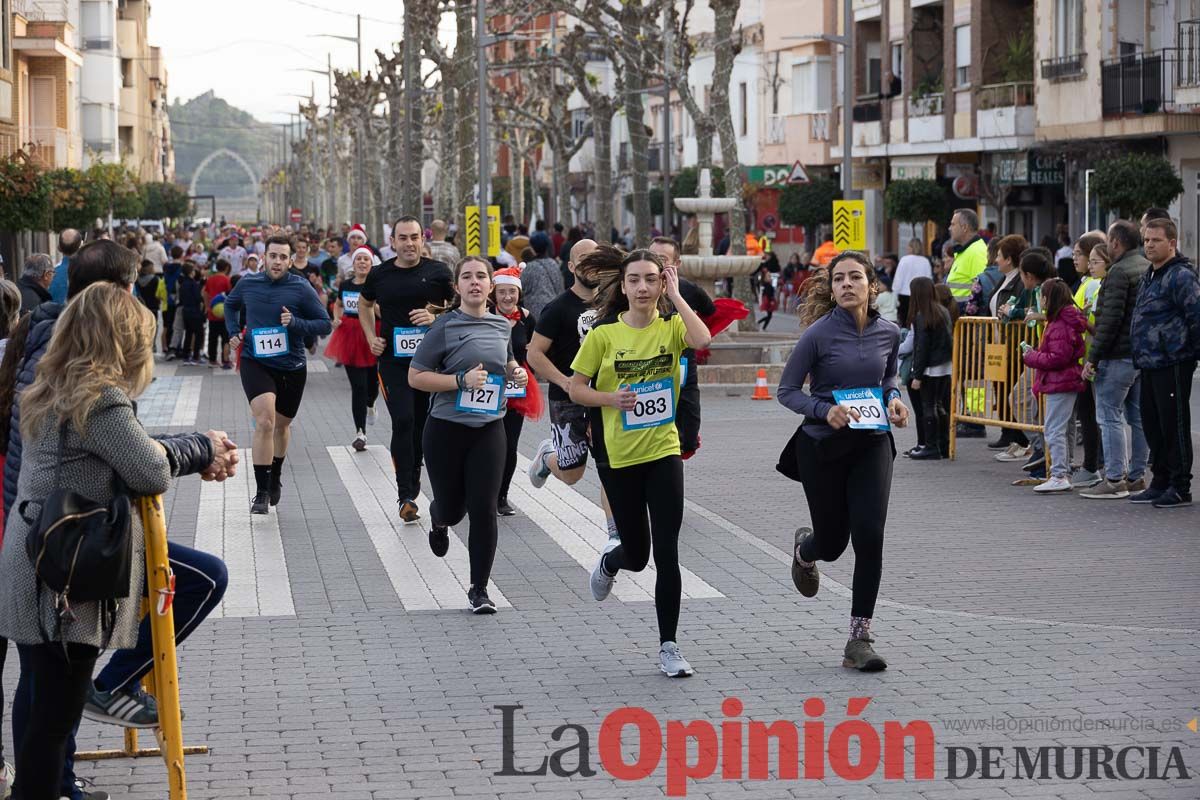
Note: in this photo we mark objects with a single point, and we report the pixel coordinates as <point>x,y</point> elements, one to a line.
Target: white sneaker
<point>601,582</point>
<point>672,663</point>
<point>1059,484</point>
<point>7,776</point>
<point>360,442</point>
<point>1014,452</point>
<point>538,471</point>
<point>370,415</point>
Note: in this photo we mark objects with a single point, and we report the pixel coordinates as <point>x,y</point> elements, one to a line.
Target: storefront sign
<point>1047,169</point>
<point>867,175</point>
<point>772,176</point>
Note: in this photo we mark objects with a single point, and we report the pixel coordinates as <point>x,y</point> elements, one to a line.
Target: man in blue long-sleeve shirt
<point>273,311</point>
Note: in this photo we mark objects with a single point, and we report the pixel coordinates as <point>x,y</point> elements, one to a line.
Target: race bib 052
<point>405,341</point>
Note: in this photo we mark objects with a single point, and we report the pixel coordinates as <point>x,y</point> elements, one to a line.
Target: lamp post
<point>360,183</point>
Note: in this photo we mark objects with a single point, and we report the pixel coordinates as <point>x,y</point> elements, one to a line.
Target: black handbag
<point>81,550</point>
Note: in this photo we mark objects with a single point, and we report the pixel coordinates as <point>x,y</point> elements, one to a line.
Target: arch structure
<point>224,151</point>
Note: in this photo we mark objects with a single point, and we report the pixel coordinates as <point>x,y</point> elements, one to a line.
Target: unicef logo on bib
<point>406,340</point>
<point>269,342</point>
<point>484,400</point>
<point>655,405</point>
<point>868,402</point>
<point>350,302</point>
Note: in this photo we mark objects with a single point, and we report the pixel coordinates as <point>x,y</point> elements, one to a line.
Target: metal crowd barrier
<point>990,384</point>
<point>163,680</point>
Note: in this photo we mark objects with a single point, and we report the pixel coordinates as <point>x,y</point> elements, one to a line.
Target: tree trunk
<point>447,178</point>
<point>632,72</point>
<point>465,112</point>
<point>602,116</point>
<point>414,117</point>
<point>518,183</point>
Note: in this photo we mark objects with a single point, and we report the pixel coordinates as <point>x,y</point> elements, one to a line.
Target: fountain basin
<point>714,267</point>
<point>705,205</point>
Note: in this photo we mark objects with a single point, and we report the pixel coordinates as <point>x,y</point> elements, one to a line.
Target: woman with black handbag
<point>85,457</point>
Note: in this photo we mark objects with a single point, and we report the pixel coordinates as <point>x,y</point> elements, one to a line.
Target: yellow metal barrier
<point>163,679</point>
<point>990,384</point>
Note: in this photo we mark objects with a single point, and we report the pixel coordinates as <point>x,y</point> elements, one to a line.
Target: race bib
<point>350,302</point>
<point>269,342</point>
<point>405,341</point>
<point>484,400</point>
<point>512,390</point>
<point>869,405</point>
<point>683,372</point>
<point>655,405</point>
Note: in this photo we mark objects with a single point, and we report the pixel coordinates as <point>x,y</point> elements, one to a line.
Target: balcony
<point>1143,83</point>
<point>1187,75</point>
<point>868,108</point>
<point>926,122</point>
<point>818,126</point>
<point>53,147</point>
<point>51,10</point>
<point>776,129</point>
<point>1064,68</point>
<point>1005,109</point>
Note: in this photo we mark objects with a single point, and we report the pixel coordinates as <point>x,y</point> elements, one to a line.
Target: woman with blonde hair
<point>80,432</point>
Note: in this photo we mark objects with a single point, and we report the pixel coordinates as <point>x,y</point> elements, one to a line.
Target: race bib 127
<point>269,342</point>
<point>655,405</point>
<point>868,402</point>
<point>484,400</point>
<point>405,341</point>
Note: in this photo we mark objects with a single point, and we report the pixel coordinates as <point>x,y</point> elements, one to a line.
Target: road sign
<point>472,232</point>
<point>850,224</point>
<point>798,174</point>
<point>296,215</point>
<point>493,231</point>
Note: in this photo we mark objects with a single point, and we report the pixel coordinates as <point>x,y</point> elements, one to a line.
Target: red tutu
<point>529,406</point>
<point>348,345</point>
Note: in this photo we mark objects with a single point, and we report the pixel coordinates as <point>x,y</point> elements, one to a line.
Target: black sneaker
<point>861,656</point>
<point>926,453</point>
<point>408,511</point>
<point>998,444</point>
<point>439,540</point>
<point>83,785</point>
<point>261,504</point>
<point>504,509</point>
<point>807,579</point>
<point>1147,496</point>
<point>1037,460</point>
<point>276,492</point>
<point>129,709</point>
<point>966,430</point>
<point>479,602</point>
<point>1173,498</point>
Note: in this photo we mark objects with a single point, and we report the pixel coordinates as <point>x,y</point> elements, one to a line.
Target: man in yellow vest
<point>970,254</point>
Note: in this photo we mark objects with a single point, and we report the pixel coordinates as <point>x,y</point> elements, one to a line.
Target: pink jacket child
<point>1057,358</point>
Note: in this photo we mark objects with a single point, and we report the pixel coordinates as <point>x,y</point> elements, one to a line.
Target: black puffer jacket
<point>931,346</point>
<point>188,453</point>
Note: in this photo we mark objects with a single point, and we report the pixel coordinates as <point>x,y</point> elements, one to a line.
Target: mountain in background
<point>207,123</point>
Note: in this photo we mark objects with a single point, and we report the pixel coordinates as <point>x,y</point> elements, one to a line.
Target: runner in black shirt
<point>349,347</point>
<point>404,286</point>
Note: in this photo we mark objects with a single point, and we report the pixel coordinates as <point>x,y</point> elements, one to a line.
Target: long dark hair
<point>456,301</point>
<point>606,267</point>
<point>923,304</point>
<point>818,289</point>
<point>14,354</point>
<point>1057,296</point>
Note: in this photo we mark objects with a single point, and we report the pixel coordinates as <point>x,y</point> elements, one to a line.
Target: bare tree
<point>577,45</point>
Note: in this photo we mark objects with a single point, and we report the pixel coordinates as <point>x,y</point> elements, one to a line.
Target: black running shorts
<point>286,385</point>
<point>569,433</point>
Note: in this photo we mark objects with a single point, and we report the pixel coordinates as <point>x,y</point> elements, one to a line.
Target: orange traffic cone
<point>760,386</point>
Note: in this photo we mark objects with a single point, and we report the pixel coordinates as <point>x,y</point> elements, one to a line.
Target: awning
<point>904,167</point>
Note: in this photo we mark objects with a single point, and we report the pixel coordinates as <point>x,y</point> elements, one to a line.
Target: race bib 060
<point>655,405</point>
<point>868,402</point>
<point>350,302</point>
<point>484,400</point>
<point>269,342</point>
<point>405,341</point>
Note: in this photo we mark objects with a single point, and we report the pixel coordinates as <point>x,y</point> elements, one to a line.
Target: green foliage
<point>75,201</point>
<point>686,183</point>
<point>165,200</point>
<point>809,204</point>
<point>914,200</point>
<point>1016,58</point>
<point>119,189</point>
<point>24,193</point>
<point>656,201</point>
<point>1133,182</point>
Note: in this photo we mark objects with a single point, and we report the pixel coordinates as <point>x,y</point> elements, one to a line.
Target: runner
<point>843,451</point>
<point>465,360</point>
<point>507,299</point>
<point>349,347</point>
<point>277,310</point>
<point>404,286</point>
<point>628,371</point>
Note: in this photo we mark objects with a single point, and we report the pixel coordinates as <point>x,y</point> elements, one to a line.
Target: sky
<point>249,51</point>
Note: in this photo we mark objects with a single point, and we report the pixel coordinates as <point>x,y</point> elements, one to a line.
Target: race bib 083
<point>484,400</point>
<point>405,341</point>
<point>868,402</point>
<point>269,342</point>
<point>655,405</point>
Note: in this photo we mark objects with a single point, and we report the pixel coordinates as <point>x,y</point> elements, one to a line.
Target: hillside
<point>207,123</point>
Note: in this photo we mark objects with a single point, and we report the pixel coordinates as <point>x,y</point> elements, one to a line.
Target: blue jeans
<point>1059,406</point>
<point>200,581</point>
<point>1118,403</point>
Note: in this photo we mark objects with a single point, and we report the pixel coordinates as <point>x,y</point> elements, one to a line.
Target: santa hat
<point>357,228</point>
<point>374,258</point>
<point>507,277</point>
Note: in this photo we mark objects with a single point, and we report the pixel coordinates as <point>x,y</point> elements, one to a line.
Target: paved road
<point>343,663</point>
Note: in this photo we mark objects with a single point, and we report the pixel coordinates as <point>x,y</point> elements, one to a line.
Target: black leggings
<point>918,410</point>
<point>408,409</point>
<point>364,389</point>
<point>847,494</point>
<point>513,422</point>
<point>655,487</point>
<point>218,337</point>
<point>193,339</point>
<point>59,688</point>
<point>935,414</point>
<point>464,466</point>
<point>1085,412</point>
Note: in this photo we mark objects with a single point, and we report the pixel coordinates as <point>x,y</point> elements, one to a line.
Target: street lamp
<point>357,39</point>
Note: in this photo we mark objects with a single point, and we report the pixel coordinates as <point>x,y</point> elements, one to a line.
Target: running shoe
<point>1173,498</point>
<point>998,444</point>
<point>1058,484</point>
<point>86,793</point>
<point>370,413</point>
<point>1085,479</point>
<point>360,442</point>
<point>1015,452</point>
<point>479,602</point>
<point>601,582</point>
<point>861,656</point>
<point>439,540</point>
<point>261,503</point>
<point>129,709</point>
<point>504,509</point>
<point>1135,486</point>
<point>672,664</point>
<point>7,776</point>
<point>807,579</point>
<point>1147,496</point>
<point>408,511</point>
<point>1036,461</point>
<point>926,453</point>
<point>538,471</point>
<point>276,491</point>
<point>227,365</point>
<point>1106,490</point>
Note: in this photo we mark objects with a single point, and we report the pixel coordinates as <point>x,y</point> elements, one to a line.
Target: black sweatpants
<point>1085,412</point>
<point>847,484</point>
<point>408,409</point>
<point>918,410</point>
<point>193,338</point>
<point>58,691</point>
<point>513,422</point>
<point>464,472</point>
<point>168,326</point>
<point>364,389</point>
<point>935,411</point>
<point>647,506</point>
<point>218,337</point>
<point>1167,423</point>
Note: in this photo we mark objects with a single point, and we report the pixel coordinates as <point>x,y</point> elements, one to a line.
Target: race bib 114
<point>405,341</point>
<point>868,402</point>
<point>655,405</point>
<point>269,342</point>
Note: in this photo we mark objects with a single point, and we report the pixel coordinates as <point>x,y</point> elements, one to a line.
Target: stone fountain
<point>707,266</point>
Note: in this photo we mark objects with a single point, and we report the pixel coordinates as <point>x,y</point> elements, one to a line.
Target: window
<point>742,101</point>
<point>1068,27</point>
<point>127,72</point>
<point>810,86</point>
<point>962,55</point>
<point>873,68</point>
<point>5,48</point>
<point>898,59</point>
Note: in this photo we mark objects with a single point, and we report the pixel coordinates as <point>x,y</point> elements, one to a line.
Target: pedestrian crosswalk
<point>170,400</point>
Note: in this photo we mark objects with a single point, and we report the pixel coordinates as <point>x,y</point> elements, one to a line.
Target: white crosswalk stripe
<point>170,400</point>
<point>315,367</point>
<point>422,580</point>
<point>250,545</point>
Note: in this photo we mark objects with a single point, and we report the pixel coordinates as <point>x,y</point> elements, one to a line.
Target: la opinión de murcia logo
<point>738,749</point>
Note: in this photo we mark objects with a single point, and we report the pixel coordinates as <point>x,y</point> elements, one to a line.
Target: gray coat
<point>114,441</point>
